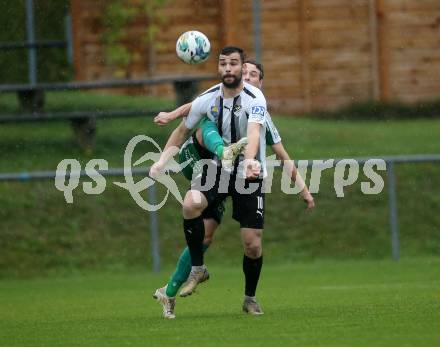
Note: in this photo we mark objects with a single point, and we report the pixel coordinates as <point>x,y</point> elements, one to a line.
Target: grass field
<point>324,303</point>
<point>95,253</point>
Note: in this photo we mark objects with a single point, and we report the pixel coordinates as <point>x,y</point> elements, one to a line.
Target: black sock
<point>194,230</point>
<point>251,270</point>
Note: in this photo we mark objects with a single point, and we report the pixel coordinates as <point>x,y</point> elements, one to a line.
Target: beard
<point>235,82</point>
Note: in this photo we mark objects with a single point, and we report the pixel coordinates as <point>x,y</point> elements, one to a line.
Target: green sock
<point>211,138</point>
<point>181,273</point>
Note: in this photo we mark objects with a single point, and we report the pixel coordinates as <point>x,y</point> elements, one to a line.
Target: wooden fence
<point>317,54</point>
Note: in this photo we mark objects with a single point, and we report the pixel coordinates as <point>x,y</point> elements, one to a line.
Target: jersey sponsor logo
<point>257,112</point>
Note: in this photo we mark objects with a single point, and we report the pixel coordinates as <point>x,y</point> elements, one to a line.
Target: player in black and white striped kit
<point>239,110</point>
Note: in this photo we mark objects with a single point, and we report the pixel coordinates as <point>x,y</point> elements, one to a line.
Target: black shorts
<point>214,211</point>
<point>247,195</point>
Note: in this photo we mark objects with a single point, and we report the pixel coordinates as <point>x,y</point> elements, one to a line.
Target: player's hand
<point>155,169</point>
<point>252,168</point>
<point>163,118</point>
<point>308,199</point>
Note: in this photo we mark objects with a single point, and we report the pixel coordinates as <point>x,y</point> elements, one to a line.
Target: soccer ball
<point>193,47</point>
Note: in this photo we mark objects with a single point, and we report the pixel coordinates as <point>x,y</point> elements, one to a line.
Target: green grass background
<point>79,275</point>
<point>41,234</point>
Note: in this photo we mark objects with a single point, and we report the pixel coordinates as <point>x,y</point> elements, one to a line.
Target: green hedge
<point>384,111</point>
<point>49,18</point>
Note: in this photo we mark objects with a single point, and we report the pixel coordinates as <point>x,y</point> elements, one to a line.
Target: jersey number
<point>260,202</point>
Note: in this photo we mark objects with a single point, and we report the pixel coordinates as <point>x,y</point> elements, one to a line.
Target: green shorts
<point>189,153</point>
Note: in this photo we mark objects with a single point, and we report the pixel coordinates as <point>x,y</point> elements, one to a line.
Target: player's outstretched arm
<point>252,166</point>
<point>163,118</point>
<point>282,154</point>
<point>176,139</point>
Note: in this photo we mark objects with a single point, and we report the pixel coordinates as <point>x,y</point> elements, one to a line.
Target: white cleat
<point>166,302</point>
<point>251,306</point>
<point>231,152</point>
<point>194,278</point>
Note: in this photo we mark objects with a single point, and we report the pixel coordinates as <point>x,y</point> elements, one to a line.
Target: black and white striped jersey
<point>232,115</point>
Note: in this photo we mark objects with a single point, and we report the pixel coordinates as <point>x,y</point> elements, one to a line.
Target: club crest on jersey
<point>236,108</point>
<point>214,111</point>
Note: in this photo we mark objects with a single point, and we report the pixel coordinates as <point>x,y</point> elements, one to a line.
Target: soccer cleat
<point>194,278</point>
<point>251,306</point>
<point>231,152</point>
<point>166,302</point>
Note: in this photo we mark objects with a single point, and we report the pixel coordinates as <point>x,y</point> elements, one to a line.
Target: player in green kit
<point>204,144</point>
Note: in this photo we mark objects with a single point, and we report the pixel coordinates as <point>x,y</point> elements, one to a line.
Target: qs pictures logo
<point>69,172</point>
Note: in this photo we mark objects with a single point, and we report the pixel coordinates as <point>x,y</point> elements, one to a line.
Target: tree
<point>118,46</point>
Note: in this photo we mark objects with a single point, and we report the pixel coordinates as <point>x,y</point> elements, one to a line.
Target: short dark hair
<point>233,49</point>
<point>258,65</point>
